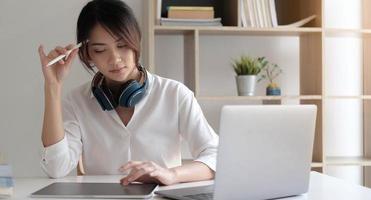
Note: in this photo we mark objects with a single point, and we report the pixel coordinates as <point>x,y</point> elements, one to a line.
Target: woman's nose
<point>115,58</point>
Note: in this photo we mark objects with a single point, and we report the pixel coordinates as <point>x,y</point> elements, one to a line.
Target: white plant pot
<point>246,85</point>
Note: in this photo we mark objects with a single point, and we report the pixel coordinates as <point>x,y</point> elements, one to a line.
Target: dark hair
<point>114,16</point>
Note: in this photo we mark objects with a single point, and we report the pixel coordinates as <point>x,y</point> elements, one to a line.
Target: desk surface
<point>321,187</point>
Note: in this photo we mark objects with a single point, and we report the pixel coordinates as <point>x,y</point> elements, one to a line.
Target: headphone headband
<point>130,94</point>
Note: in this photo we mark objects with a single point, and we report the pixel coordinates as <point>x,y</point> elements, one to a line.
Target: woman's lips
<point>117,70</point>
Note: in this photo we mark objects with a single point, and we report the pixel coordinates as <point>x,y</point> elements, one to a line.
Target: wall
<point>23,26</point>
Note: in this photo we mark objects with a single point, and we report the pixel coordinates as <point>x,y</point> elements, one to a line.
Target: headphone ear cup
<point>126,97</point>
<point>136,97</point>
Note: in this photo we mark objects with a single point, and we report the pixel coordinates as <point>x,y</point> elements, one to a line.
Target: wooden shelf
<point>221,98</point>
<point>364,97</point>
<point>230,30</point>
<point>348,161</point>
<point>316,164</point>
<point>346,32</point>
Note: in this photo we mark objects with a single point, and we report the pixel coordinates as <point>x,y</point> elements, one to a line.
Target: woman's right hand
<point>57,72</point>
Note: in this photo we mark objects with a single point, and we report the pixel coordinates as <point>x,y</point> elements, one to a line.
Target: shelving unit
<point>312,64</point>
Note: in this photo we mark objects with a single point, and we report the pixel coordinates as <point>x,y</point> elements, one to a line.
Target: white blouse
<point>167,113</point>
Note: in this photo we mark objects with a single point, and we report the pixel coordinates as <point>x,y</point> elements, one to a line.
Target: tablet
<point>96,190</point>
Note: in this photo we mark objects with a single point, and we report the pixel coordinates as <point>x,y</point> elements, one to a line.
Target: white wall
<point>23,26</point>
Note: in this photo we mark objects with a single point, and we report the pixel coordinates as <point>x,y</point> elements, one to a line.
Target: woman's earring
<point>91,65</point>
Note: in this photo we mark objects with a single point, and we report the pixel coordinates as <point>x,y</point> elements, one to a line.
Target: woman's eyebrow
<point>120,40</point>
<point>97,44</point>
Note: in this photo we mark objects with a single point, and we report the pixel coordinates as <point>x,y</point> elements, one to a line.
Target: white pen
<point>64,55</point>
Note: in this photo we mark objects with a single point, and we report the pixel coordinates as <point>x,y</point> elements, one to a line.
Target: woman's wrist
<point>53,89</point>
<point>175,174</point>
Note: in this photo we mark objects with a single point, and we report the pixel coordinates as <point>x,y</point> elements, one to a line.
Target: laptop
<point>265,152</point>
<point>96,190</point>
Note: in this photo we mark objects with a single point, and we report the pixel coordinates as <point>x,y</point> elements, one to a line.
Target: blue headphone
<point>131,92</point>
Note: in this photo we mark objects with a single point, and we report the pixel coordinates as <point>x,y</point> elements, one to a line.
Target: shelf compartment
<point>225,9</point>
<point>347,161</point>
<point>289,11</point>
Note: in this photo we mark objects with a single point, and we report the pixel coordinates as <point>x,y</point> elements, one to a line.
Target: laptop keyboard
<point>202,196</point>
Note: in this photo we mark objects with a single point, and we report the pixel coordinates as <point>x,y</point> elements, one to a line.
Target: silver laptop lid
<point>264,151</point>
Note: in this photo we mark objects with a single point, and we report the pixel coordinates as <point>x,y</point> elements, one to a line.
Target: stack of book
<point>191,16</point>
<point>187,12</point>
<point>6,181</point>
<point>263,14</point>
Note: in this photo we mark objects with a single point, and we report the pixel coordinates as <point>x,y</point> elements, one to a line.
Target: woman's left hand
<point>147,172</point>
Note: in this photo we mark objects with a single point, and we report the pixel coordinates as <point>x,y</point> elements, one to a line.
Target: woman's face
<point>111,56</point>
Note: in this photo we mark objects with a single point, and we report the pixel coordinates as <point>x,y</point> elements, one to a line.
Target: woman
<point>126,120</point>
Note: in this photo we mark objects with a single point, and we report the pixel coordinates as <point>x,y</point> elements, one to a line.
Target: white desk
<point>322,187</point>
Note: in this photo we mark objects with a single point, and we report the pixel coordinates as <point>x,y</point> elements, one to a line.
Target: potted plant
<point>270,72</point>
<point>247,68</point>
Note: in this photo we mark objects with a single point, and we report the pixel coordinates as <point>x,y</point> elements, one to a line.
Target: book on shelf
<point>6,181</point>
<point>273,12</point>
<point>249,14</point>
<point>263,14</point>
<point>187,13</point>
<point>254,11</point>
<point>244,19</point>
<point>191,22</point>
<point>260,12</point>
<point>266,13</point>
<point>191,12</point>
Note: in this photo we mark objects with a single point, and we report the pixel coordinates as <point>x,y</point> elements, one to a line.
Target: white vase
<point>246,85</point>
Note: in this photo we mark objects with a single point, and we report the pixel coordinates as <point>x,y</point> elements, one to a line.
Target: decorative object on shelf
<point>247,68</point>
<point>270,72</point>
<point>6,179</point>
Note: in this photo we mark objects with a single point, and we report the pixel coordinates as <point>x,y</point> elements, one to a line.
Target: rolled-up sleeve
<point>194,128</point>
<point>62,157</point>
